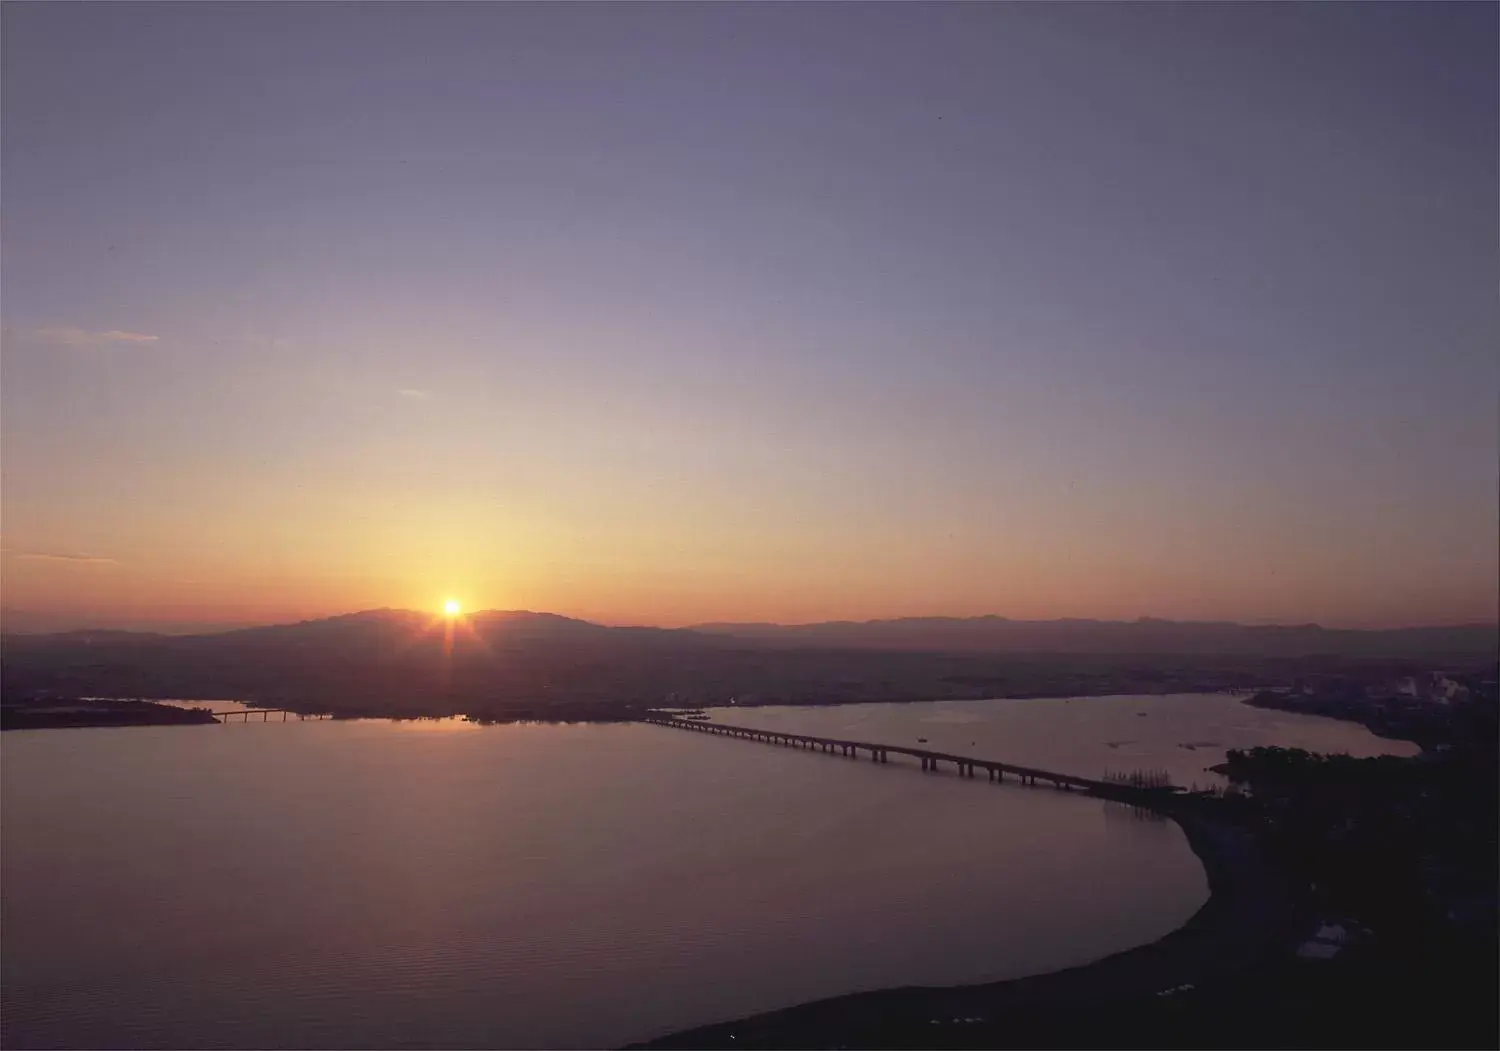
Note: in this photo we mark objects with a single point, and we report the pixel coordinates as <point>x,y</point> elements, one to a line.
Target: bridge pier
<point>964,766</point>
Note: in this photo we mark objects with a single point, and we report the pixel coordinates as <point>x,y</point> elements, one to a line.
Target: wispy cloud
<point>81,337</point>
<point>414,394</point>
<point>50,556</point>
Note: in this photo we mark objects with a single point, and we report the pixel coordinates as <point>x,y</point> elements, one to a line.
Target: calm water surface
<point>1183,734</point>
<point>439,884</point>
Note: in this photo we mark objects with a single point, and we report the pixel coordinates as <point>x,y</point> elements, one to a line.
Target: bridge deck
<point>965,764</point>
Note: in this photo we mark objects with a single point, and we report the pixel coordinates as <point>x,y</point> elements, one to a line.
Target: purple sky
<point>690,312</point>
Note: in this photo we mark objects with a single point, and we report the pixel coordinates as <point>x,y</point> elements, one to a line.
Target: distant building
<point>1452,690</point>
<point>1333,937</point>
<point>1432,688</point>
<point>1316,950</point>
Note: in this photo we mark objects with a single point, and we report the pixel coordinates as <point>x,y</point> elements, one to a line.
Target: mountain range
<point>1147,635</point>
<point>520,664</point>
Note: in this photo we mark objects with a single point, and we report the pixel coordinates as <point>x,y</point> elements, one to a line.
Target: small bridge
<point>964,765</point>
<point>266,713</point>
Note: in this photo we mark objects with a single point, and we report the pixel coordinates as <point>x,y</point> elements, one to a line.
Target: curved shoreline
<point>1247,918</point>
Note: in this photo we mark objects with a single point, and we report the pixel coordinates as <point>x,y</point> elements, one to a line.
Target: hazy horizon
<point>695,313</point>
<point>19,621</point>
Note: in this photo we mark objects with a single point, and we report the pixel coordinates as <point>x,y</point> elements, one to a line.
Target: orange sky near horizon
<point>1038,310</point>
<point>679,583</point>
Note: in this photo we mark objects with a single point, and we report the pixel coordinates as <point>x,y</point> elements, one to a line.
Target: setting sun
<point>452,608</point>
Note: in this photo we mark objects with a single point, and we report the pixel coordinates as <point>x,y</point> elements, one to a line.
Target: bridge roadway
<point>266,713</point>
<point>963,764</point>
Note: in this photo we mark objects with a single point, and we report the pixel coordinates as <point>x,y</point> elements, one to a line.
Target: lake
<point>442,884</point>
<point>1183,734</point>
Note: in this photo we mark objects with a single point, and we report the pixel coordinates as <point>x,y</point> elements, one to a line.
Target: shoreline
<point>94,714</point>
<point>1246,919</point>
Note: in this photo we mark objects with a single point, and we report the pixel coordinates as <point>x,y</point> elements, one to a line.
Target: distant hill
<point>1000,635</point>
<point>522,664</point>
<point>376,660</point>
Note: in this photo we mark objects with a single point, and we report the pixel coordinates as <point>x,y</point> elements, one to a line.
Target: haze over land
<point>686,314</point>
<point>520,664</point>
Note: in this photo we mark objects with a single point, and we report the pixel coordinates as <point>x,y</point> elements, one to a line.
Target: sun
<point>451,607</point>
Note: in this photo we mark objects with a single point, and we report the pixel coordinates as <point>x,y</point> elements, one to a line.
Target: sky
<point>677,313</point>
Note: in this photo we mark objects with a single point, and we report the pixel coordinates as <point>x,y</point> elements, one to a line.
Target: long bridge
<point>964,765</point>
<point>265,714</point>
